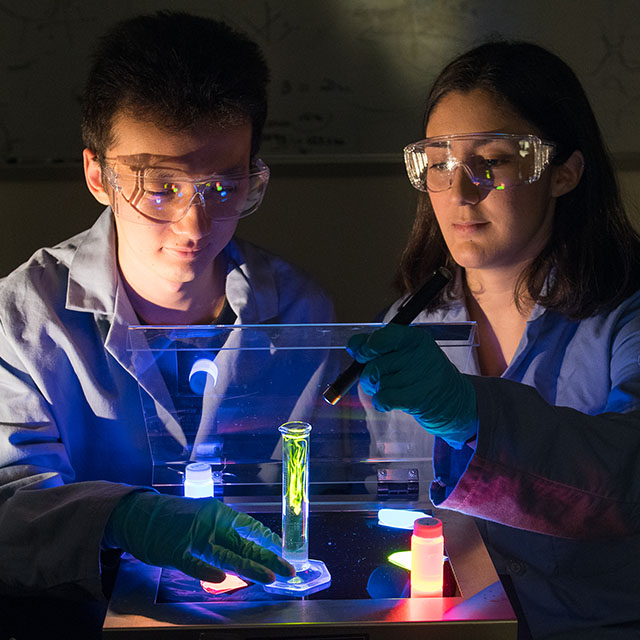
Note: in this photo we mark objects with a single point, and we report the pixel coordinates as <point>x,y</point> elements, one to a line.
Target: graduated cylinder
<point>295,493</point>
<point>427,558</point>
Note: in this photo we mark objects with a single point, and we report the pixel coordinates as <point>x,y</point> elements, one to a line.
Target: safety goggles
<point>160,195</point>
<point>491,161</point>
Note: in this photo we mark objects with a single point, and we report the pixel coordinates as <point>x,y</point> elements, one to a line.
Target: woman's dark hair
<point>177,71</point>
<point>593,251</point>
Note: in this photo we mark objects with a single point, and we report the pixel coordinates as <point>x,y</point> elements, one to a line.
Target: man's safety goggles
<point>158,195</point>
<point>491,161</point>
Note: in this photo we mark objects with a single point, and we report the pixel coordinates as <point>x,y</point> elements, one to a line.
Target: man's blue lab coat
<point>70,413</point>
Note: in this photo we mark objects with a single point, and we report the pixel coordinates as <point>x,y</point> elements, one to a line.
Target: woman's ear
<point>566,176</point>
<point>93,176</point>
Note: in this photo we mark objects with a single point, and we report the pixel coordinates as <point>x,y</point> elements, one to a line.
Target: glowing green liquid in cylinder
<point>295,493</point>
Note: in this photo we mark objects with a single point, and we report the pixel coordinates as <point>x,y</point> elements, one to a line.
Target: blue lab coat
<point>72,433</point>
<point>555,479</point>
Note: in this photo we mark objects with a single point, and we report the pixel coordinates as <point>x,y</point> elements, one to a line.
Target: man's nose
<point>195,222</point>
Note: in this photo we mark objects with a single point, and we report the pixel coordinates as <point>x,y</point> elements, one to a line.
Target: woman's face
<point>489,229</point>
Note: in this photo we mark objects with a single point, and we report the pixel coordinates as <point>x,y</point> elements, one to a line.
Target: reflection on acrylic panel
<point>264,376</point>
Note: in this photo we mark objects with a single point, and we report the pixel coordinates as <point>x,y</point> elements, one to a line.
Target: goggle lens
<point>497,161</point>
<point>155,197</point>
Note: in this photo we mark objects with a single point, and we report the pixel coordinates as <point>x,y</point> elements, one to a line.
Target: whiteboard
<point>349,77</point>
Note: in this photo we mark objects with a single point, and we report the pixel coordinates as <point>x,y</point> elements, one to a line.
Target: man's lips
<point>184,252</point>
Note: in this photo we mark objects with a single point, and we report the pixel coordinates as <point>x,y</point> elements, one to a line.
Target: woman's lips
<point>469,228</point>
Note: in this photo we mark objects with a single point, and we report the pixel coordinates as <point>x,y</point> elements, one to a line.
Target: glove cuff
<point>466,421</point>
<point>458,422</point>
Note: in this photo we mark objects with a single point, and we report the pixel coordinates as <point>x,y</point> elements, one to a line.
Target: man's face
<point>174,253</point>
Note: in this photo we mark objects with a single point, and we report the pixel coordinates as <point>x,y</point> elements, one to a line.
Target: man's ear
<point>93,176</point>
<point>566,176</point>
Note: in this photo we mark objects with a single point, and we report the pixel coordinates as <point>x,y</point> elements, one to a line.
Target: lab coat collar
<point>257,303</point>
<point>457,311</point>
<point>95,286</point>
<point>538,309</point>
<point>93,274</point>
<point>94,283</point>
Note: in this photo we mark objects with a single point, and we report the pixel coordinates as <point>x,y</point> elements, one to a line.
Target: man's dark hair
<point>593,252</point>
<point>177,71</point>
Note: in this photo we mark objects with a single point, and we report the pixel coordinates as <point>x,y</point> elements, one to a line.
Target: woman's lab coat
<point>555,478</point>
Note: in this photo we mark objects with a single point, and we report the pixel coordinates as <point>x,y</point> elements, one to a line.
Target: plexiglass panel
<point>218,394</point>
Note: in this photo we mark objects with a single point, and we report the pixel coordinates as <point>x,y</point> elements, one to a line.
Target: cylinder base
<point>315,578</point>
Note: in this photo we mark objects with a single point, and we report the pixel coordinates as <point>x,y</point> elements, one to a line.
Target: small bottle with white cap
<point>198,480</point>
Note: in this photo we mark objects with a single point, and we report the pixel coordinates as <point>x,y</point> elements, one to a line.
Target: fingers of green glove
<point>199,569</point>
<point>248,549</point>
<point>354,345</point>
<point>394,369</point>
<point>418,366</point>
<point>267,558</point>
<point>389,371</point>
<point>393,338</point>
<point>245,566</point>
<point>370,378</point>
<point>399,350</point>
<point>214,537</point>
<point>434,389</point>
<point>449,413</point>
<point>408,397</point>
<point>218,523</point>
<point>253,530</point>
<point>360,347</point>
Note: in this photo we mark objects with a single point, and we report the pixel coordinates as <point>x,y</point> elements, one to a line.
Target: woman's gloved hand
<point>201,537</point>
<point>405,369</point>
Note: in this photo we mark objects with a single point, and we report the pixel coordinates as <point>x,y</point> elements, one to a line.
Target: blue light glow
<point>399,518</point>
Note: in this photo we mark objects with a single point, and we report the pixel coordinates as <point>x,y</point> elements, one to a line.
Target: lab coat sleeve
<point>50,527</point>
<point>548,469</point>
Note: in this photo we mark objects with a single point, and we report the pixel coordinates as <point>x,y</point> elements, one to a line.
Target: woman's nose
<point>463,187</point>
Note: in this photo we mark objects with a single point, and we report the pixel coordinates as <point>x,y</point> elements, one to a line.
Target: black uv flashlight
<point>406,313</point>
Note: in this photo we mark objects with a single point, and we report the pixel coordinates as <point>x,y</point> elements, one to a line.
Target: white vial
<point>198,481</point>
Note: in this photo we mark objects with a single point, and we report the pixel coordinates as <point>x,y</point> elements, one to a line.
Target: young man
<point>173,112</point>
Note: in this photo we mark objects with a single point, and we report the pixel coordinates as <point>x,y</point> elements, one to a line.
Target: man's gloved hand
<point>405,369</point>
<point>201,537</point>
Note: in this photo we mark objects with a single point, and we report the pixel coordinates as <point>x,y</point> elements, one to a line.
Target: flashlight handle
<point>406,313</point>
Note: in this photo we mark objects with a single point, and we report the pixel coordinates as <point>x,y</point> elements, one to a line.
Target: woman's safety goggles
<point>490,160</point>
<point>158,195</point>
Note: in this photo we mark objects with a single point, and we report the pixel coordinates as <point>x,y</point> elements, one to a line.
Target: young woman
<point>540,435</point>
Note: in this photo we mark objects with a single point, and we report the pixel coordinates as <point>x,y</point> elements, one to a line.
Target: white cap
<point>198,472</point>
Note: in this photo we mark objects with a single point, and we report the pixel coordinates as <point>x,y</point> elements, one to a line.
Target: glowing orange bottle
<point>427,557</point>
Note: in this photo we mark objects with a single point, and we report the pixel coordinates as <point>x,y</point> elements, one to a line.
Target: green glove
<point>201,537</point>
<point>407,370</point>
